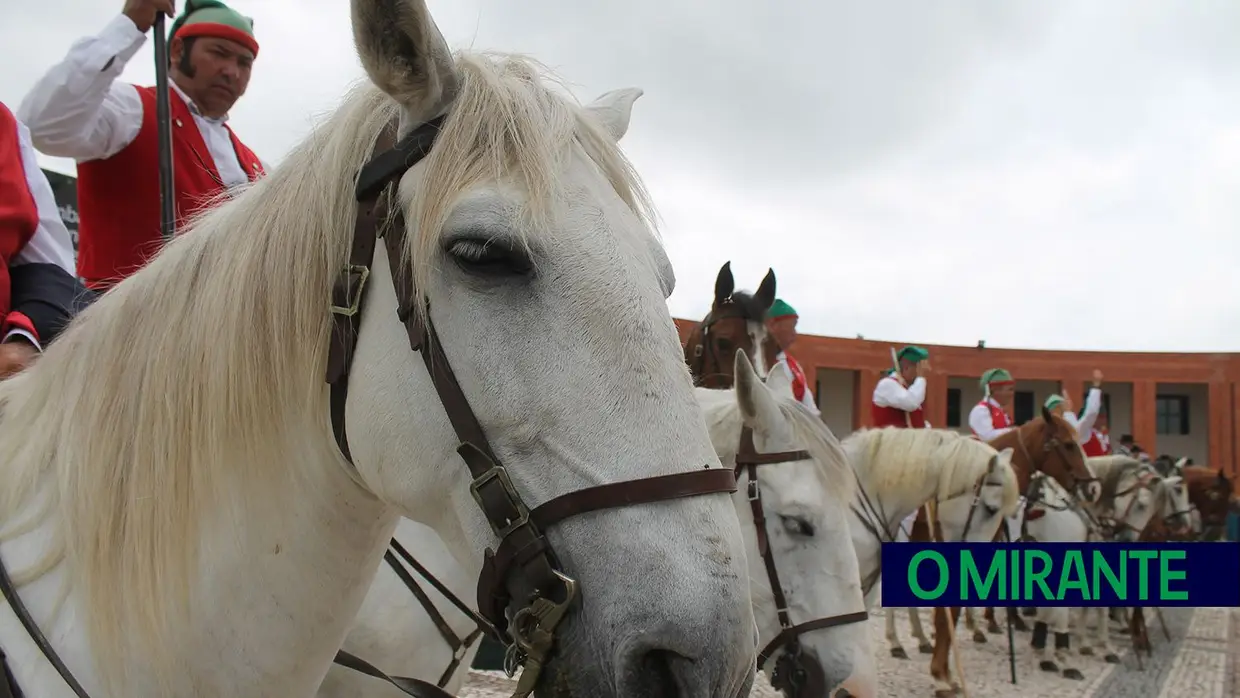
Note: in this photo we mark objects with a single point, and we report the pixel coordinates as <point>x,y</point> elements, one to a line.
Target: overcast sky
<point>1043,174</point>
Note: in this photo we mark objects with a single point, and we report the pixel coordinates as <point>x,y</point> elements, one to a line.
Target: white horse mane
<point>894,460</point>
<point>723,413</point>
<point>187,390</point>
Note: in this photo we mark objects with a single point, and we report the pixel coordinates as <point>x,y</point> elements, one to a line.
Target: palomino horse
<point>736,322</point>
<point>181,518</point>
<point>900,470</point>
<point>802,489</point>
<point>1046,444</point>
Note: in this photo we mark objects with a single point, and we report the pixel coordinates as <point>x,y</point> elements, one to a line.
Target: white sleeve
<point>1093,405</point>
<point>889,393</point>
<point>50,243</point>
<point>982,425</point>
<point>78,109</point>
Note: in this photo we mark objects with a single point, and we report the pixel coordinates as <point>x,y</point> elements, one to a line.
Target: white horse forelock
<point>190,388</point>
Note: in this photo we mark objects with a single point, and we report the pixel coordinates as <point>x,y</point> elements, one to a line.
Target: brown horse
<point>1212,494</point>
<point>1046,444</point>
<point>736,321</point>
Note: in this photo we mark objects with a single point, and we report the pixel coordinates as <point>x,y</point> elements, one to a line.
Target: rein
<point>792,673</point>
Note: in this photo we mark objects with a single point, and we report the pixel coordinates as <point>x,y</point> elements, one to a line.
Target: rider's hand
<point>143,12</point>
<point>923,369</point>
<point>1097,378</point>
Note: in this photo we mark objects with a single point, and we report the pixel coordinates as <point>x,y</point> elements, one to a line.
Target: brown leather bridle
<point>522,569</point>
<point>795,674</point>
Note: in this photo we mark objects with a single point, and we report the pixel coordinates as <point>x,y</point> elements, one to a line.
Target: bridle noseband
<point>793,674</point>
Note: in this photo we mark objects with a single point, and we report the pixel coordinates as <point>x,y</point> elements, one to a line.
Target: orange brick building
<point>1179,404</point>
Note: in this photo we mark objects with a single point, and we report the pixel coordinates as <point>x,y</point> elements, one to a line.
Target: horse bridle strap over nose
<point>522,568</point>
<point>791,675</point>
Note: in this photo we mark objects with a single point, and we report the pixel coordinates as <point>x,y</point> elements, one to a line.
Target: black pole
<point>163,120</point>
<point>1007,535</point>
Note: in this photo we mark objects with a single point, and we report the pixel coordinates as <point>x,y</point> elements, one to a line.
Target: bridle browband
<point>522,568</point>
<point>792,674</point>
<point>704,353</point>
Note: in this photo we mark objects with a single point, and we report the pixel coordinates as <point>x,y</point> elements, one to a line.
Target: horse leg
<point>1061,624</point>
<point>1038,641</point>
<point>978,636</point>
<point>1109,655</point>
<point>1140,632</point>
<point>992,626</point>
<point>914,621</point>
<point>893,638</point>
<point>940,667</point>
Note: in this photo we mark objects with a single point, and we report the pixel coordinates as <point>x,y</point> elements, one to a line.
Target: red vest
<point>19,215</point>
<point>1098,445</point>
<point>118,198</point>
<point>896,417</point>
<point>799,384</point>
<point>998,418</point>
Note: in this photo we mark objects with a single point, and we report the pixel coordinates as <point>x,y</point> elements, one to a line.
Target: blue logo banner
<point>1061,574</point>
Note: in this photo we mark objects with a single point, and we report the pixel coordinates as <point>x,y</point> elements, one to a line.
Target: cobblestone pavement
<point>1202,660</point>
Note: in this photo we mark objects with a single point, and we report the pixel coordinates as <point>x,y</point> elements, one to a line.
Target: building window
<point>1022,406</point>
<point>953,408</point>
<point>1171,414</point>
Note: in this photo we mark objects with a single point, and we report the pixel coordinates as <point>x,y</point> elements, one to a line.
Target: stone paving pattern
<point>1202,660</point>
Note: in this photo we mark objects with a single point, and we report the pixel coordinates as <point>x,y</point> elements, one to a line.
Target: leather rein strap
<point>522,568</point>
<point>748,460</point>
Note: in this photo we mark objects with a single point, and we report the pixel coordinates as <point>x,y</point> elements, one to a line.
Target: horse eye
<point>489,258</point>
<point>724,344</point>
<point>798,526</point>
<point>990,510</point>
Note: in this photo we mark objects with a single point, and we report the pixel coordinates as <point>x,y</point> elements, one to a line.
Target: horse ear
<point>724,284</point>
<point>753,397</point>
<point>614,109</point>
<point>403,53</point>
<point>765,296</point>
<point>778,382</point>
<point>1005,454</point>
<point>1048,418</point>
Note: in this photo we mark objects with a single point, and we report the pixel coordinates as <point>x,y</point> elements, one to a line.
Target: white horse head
<point>1052,514</point>
<point>803,503</point>
<point>976,516</point>
<point>170,456</point>
<point>1133,493</point>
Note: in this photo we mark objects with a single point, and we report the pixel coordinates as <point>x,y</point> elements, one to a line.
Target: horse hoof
<point>899,653</point>
<point>944,693</point>
<point>993,628</point>
<point>1087,651</point>
<point>1048,665</point>
<point>843,693</point>
<point>926,649</point>
<point>979,637</point>
<point>1019,624</point>
<point>1111,659</point>
<point>1074,674</point>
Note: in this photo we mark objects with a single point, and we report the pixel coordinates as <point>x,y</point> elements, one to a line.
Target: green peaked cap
<point>996,375</point>
<point>1053,401</point>
<point>780,308</point>
<point>912,353</point>
<point>214,18</point>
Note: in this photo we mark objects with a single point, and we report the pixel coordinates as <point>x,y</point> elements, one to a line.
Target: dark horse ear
<point>1048,418</point>
<point>765,297</point>
<point>724,284</point>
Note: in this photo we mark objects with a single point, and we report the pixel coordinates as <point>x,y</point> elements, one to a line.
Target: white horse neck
<point>902,469</point>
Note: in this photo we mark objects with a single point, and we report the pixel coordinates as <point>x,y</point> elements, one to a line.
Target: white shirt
<point>890,392</point>
<point>79,110</point>
<point>1084,425</point>
<point>807,398</point>
<point>982,424</point>
<point>50,243</point>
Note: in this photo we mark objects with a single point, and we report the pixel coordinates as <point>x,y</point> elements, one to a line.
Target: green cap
<point>780,309</point>
<point>995,376</point>
<point>913,354</point>
<point>1053,401</point>
<point>214,18</point>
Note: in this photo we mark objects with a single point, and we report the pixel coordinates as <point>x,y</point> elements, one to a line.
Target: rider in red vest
<point>899,396</point>
<point>37,286</point>
<point>80,110</point>
<point>992,417</point>
<point>781,322</point>
<point>1086,421</point>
